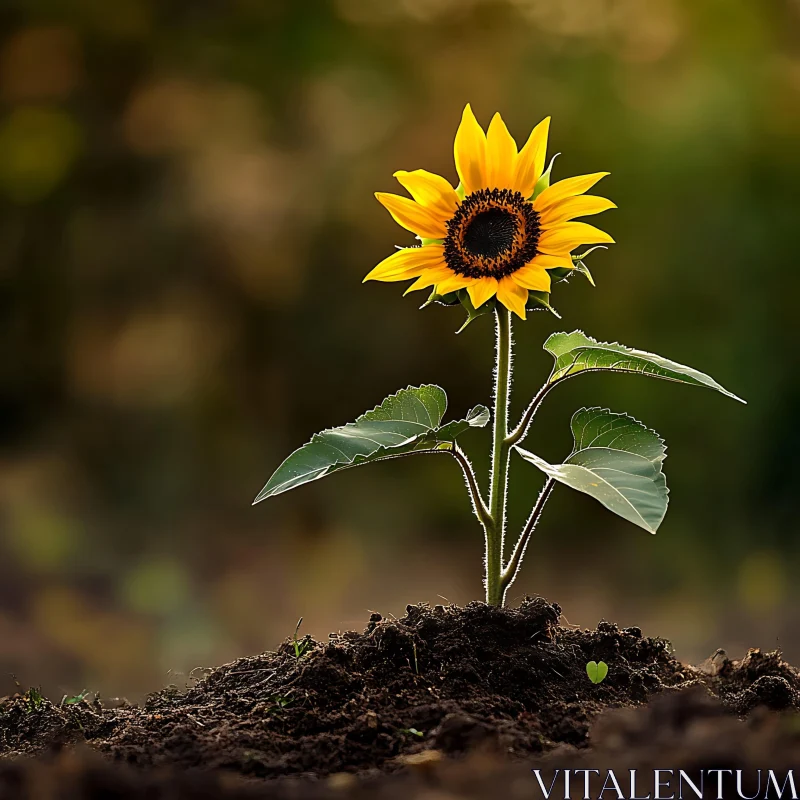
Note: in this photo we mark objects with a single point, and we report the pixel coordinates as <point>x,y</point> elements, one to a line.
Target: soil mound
<point>440,681</point>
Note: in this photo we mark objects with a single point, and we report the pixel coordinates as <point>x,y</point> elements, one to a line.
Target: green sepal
<point>562,274</point>
<point>540,301</point>
<point>449,299</point>
<point>472,312</point>
<point>544,182</point>
<point>460,191</point>
<point>579,262</point>
<point>425,241</point>
<point>559,274</point>
<point>580,257</point>
<point>584,270</point>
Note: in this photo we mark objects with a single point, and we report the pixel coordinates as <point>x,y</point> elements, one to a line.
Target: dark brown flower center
<point>493,233</point>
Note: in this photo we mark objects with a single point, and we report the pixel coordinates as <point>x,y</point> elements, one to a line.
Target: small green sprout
<point>278,702</point>
<point>412,732</point>
<point>300,646</point>
<point>274,705</point>
<point>597,671</point>
<point>490,269</point>
<point>34,699</point>
<point>78,698</point>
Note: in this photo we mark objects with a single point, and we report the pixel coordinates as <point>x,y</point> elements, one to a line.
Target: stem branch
<point>478,505</point>
<point>511,570</point>
<point>521,430</point>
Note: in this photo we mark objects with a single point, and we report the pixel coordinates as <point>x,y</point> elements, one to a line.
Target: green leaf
<point>406,422</point>
<point>616,460</point>
<point>597,672</point>
<point>576,352</point>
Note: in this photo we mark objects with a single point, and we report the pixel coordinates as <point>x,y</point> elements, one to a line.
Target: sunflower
<point>501,230</point>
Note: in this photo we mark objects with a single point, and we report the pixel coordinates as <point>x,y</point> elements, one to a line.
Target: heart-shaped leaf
<point>616,460</point>
<point>576,352</point>
<point>597,672</point>
<point>406,422</point>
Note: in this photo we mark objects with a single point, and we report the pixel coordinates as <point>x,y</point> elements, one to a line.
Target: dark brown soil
<point>402,697</point>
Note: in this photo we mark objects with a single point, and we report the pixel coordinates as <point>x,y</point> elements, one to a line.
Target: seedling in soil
<point>597,671</point>
<point>78,698</point>
<point>412,732</point>
<point>300,646</point>
<point>34,699</point>
<point>277,703</point>
<point>496,245</point>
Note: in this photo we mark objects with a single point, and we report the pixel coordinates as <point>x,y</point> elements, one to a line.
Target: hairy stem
<point>511,570</point>
<point>478,505</point>
<point>521,430</point>
<point>495,534</point>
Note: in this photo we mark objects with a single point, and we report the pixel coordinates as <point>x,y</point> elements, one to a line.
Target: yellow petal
<point>412,216</point>
<point>454,283</point>
<point>568,235</point>
<point>530,162</point>
<point>534,278</point>
<point>580,206</point>
<point>470,152</point>
<point>501,155</point>
<point>429,278</point>
<point>480,291</point>
<point>512,295</point>
<point>569,187</point>
<point>430,190</point>
<point>545,261</point>
<point>408,263</point>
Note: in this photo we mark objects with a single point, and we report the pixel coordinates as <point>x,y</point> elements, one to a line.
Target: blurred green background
<point>186,214</point>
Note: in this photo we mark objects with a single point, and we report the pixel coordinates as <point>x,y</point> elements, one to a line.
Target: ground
<point>461,700</point>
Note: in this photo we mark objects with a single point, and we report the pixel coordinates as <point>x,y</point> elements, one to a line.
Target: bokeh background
<point>186,214</point>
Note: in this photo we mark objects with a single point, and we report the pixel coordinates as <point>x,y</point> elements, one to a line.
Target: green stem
<point>495,533</point>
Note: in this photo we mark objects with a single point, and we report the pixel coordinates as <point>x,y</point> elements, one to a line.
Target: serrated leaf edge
<point>477,417</point>
<point>394,396</point>
<point>659,461</point>
<point>620,414</point>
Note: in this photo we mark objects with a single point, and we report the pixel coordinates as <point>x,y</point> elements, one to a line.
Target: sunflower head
<point>503,235</point>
